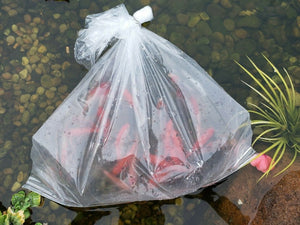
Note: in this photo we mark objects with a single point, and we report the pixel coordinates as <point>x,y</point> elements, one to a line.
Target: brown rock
<point>281,205</point>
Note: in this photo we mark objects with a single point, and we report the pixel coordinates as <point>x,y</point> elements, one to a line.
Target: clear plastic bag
<point>145,123</point>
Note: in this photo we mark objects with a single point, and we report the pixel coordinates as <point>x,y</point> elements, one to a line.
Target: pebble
<point>14,28</point>
<point>2,91</point>
<point>241,33</point>
<point>17,123</point>
<point>25,117</point>
<point>226,4</point>
<point>56,16</point>
<point>34,98</point>
<point>65,65</point>
<point>229,24</point>
<point>37,20</point>
<point>204,16</point>
<point>63,89</point>
<point>62,28</point>
<point>23,74</point>
<point>45,59</point>
<point>46,81</point>
<point>42,49</point>
<point>20,177</point>
<point>27,18</point>
<point>190,206</point>
<point>6,76</point>
<point>53,205</point>
<point>34,59</point>
<point>194,20</point>
<point>145,2</point>
<point>32,51</point>
<point>15,186</point>
<point>49,109</point>
<point>35,30</point>
<point>178,201</point>
<point>182,18</point>
<point>40,90</point>
<point>7,181</point>
<point>10,40</point>
<point>8,171</point>
<point>25,61</point>
<point>172,210</point>
<point>50,94</point>
<point>215,56</point>
<point>293,59</point>
<point>24,98</point>
<point>12,12</point>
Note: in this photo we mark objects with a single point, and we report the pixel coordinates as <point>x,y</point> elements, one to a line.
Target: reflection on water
<point>38,71</point>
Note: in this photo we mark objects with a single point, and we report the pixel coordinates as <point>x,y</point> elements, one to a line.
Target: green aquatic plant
<point>276,114</point>
<point>19,211</point>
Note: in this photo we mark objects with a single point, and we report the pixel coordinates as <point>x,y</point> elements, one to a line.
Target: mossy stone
<point>203,41</point>
<point>56,73</point>
<point>42,49</point>
<point>25,117</point>
<point>229,24</point>
<point>46,81</point>
<point>45,59</point>
<point>204,28</point>
<point>40,90</point>
<point>43,116</point>
<point>8,145</point>
<point>62,28</point>
<point>204,16</point>
<point>32,108</point>
<point>34,59</point>
<point>218,25</point>
<point>194,20</point>
<point>160,29</point>
<point>23,74</point>
<point>34,98</point>
<point>63,89</point>
<point>245,46</point>
<point>56,67</point>
<point>32,51</point>
<point>25,61</point>
<point>24,98</point>
<point>182,18</point>
<point>50,94</point>
<point>249,21</point>
<point>176,38</point>
<point>7,181</point>
<point>6,76</point>
<point>56,16</point>
<point>215,56</point>
<point>15,186</point>
<point>49,109</point>
<point>10,40</point>
<point>215,11</point>
<point>164,18</point>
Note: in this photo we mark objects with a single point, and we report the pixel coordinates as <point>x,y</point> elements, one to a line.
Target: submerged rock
<point>281,205</point>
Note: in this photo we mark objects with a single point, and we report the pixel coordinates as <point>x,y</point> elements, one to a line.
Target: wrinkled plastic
<point>145,123</point>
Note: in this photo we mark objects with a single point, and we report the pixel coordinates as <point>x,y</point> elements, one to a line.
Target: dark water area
<point>38,71</point>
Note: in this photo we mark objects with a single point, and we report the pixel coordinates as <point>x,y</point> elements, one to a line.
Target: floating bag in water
<point>145,123</point>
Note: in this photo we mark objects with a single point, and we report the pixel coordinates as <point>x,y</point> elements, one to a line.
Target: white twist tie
<point>144,14</point>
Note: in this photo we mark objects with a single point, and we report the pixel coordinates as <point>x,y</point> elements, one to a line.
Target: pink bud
<point>262,163</point>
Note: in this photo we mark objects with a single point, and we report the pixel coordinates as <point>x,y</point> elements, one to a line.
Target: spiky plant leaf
<point>277,113</point>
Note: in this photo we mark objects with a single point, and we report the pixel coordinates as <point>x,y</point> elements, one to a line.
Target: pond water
<point>38,71</point>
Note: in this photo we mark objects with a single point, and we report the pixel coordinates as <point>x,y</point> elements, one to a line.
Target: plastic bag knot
<point>102,29</point>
